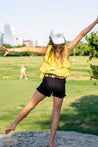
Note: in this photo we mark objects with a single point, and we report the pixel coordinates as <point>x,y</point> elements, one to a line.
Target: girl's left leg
<point>25,76</point>
<point>57,103</point>
<point>36,98</point>
<point>21,76</point>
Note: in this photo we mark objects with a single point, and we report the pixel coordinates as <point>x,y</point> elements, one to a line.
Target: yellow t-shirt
<point>53,67</point>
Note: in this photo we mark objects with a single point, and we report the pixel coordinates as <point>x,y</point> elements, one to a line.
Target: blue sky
<point>33,19</point>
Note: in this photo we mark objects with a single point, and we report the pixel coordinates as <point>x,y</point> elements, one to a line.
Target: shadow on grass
<point>82,118</point>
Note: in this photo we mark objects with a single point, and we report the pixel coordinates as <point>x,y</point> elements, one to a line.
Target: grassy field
<point>79,110</point>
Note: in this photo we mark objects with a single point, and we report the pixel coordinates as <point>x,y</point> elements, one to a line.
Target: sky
<point>34,19</point>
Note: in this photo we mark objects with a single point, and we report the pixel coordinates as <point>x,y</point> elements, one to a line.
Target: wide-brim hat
<point>57,36</point>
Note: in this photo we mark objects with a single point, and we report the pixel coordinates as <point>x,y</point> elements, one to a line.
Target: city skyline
<point>34,19</point>
<point>9,37</point>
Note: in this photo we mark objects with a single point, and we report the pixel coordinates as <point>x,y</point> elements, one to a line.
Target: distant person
<point>23,72</point>
<point>53,73</point>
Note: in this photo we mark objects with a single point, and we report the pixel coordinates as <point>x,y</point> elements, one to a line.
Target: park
<point>79,109</point>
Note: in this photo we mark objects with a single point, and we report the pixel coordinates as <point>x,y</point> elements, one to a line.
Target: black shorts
<point>54,86</point>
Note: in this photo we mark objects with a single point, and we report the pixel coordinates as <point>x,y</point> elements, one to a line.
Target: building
<point>19,41</point>
<point>1,38</point>
<point>34,43</point>
<point>28,43</point>
<point>41,42</point>
<point>9,35</point>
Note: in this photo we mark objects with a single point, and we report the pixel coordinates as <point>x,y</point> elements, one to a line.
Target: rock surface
<point>41,139</point>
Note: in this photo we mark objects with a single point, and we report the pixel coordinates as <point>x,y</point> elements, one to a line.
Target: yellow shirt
<point>53,67</point>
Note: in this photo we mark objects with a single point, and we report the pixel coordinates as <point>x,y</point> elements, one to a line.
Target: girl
<point>23,72</point>
<point>53,73</point>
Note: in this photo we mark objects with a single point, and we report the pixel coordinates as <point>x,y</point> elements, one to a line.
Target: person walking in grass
<point>23,72</point>
<point>54,72</point>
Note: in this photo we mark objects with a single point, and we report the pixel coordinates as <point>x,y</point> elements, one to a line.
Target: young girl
<point>23,72</point>
<point>53,73</point>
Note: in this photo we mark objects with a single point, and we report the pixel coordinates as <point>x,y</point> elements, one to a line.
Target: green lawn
<point>80,108</point>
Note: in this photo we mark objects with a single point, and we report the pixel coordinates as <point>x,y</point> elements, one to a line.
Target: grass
<point>79,110</point>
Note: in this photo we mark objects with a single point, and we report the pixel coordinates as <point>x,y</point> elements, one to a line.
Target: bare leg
<point>36,98</point>
<point>21,76</point>
<point>25,75</point>
<point>55,119</point>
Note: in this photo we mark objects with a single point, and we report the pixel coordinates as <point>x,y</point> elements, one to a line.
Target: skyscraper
<point>1,38</point>
<point>9,35</point>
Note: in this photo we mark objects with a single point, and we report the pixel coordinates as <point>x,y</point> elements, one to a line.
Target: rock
<point>41,139</point>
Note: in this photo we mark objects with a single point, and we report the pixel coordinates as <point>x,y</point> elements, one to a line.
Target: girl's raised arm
<point>72,44</point>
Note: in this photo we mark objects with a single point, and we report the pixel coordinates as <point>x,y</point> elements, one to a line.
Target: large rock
<point>41,139</point>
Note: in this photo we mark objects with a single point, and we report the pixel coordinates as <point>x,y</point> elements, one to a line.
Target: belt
<point>53,76</point>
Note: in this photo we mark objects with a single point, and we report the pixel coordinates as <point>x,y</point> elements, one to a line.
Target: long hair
<point>58,51</point>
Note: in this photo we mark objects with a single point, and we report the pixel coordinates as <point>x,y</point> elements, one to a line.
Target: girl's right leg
<point>36,98</point>
<point>57,103</point>
<point>21,76</point>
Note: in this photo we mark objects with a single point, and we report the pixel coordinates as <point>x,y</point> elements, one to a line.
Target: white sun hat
<point>57,36</point>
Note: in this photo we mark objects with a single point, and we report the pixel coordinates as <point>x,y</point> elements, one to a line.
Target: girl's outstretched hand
<point>4,49</point>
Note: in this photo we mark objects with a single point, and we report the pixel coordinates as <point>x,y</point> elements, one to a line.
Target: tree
<point>82,49</point>
<point>92,40</point>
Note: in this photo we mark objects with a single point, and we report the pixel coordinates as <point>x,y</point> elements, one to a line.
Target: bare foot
<point>10,128</point>
<point>53,144</point>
